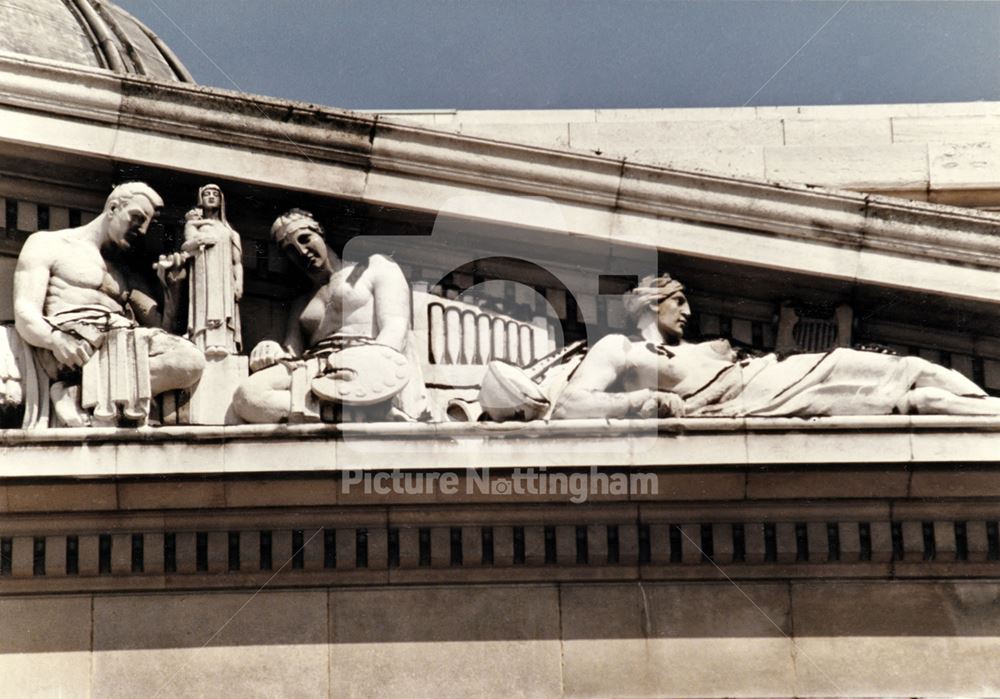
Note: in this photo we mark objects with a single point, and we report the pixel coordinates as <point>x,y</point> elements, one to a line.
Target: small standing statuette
<point>216,280</point>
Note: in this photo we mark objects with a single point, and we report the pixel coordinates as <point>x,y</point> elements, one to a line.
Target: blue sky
<point>545,54</point>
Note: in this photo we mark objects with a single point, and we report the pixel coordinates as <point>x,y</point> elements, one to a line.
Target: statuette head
<point>210,196</point>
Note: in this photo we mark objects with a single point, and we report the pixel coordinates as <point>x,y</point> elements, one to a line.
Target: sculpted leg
<point>931,400</point>
<point>932,375</point>
<point>66,404</point>
<point>264,397</point>
<point>173,363</point>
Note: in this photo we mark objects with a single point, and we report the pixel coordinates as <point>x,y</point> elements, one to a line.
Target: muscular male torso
<point>79,275</point>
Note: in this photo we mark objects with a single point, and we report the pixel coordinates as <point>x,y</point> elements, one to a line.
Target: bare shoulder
<point>380,263</point>
<point>616,342</point>
<point>41,248</point>
<point>613,348</point>
<point>383,271</point>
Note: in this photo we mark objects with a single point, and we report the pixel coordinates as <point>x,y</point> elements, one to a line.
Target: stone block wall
<point>761,581</point>
<point>704,639</point>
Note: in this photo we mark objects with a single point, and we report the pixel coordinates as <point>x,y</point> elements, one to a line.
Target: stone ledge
<point>78,453</point>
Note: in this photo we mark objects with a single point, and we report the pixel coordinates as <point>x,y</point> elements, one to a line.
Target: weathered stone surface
<point>48,131</point>
<point>623,138</point>
<point>67,460</point>
<point>732,161</point>
<point>697,485</point>
<point>203,644</point>
<point>175,495</point>
<point>873,639</point>
<point>676,640</point>
<point>943,445</point>
<point>777,446</point>
<point>517,116</point>
<point>45,647</point>
<point>447,642</point>
<point>964,165</point>
<point>289,493</point>
<point>837,132</point>
<point>826,483</point>
<point>856,167</point>
<point>27,216</point>
<point>549,135</point>
<point>958,481</point>
<point>952,128</point>
<point>212,397</point>
<point>65,497</point>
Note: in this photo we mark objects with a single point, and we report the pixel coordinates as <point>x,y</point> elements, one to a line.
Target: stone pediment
<point>839,240</point>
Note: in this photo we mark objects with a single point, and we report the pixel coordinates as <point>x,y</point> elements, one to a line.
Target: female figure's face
<point>211,198</point>
<point>672,316</point>
<point>307,249</point>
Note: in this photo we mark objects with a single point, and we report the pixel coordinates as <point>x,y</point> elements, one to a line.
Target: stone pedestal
<point>211,399</point>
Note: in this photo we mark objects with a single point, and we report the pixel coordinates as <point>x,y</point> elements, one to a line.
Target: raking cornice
<point>303,147</point>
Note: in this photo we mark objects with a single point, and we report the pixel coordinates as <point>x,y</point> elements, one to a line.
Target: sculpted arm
<point>587,395</point>
<point>194,231</point>
<point>237,250</point>
<point>31,282</point>
<point>148,312</point>
<point>392,301</point>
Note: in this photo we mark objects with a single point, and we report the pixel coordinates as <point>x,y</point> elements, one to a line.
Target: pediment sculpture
<point>216,275</point>
<point>348,341</point>
<point>656,373</point>
<point>94,340</point>
<point>99,334</point>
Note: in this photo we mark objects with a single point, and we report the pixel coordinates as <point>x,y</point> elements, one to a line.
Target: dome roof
<point>92,33</point>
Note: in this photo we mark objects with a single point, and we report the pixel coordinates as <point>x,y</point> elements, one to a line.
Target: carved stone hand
<point>662,404</point>
<point>70,351</point>
<point>266,353</point>
<point>170,268</point>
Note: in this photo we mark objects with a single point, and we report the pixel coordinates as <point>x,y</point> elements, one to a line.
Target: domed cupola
<point>93,33</point>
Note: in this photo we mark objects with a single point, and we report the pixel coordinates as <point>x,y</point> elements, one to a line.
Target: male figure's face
<point>307,249</point>
<point>130,220</point>
<point>672,316</point>
<point>211,198</point>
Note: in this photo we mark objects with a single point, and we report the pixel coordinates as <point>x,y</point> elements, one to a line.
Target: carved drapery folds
<point>115,381</point>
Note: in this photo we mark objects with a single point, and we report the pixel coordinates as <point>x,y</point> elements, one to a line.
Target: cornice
<point>360,146</point>
<point>287,128</point>
<point>835,217</point>
<point>51,88</point>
